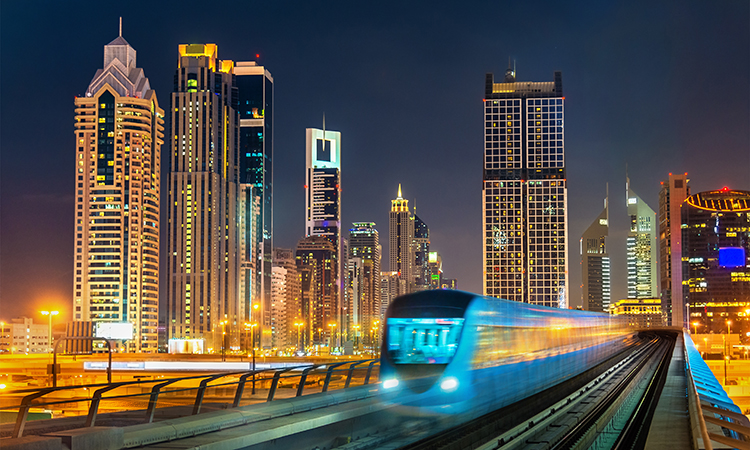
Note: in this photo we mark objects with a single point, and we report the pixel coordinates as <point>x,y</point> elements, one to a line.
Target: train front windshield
<point>423,341</point>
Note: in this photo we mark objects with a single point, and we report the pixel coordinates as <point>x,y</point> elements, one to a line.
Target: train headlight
<point>449,384</point>
<point>388,384</point>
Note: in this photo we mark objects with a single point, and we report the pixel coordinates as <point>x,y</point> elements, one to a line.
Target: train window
<point>423,341</point>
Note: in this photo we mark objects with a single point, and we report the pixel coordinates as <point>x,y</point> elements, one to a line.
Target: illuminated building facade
<point>435,269</point>
<point>524,192</point>
<point>421,243</point>
<point>284,257</point>
<point>255,106</point>
<point>364,279</point>
<point>641,312</point>
<point>22,335</point>
<point>279,331</point>
<point>595,269</point>
<point>119,131</point>
<point>641,247</point>
<point>391,286</point>
<point>202,261</point>
<point>401,237</point>
<point>323,203</point>
<point>317,263</point>
<point>672,194</point>
<point>715,260</point>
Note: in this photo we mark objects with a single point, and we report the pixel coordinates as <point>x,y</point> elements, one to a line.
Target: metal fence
<point>301,376</point>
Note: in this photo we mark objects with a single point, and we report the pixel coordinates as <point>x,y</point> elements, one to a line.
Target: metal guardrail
<point>719,409</point>
<point>274,376</point>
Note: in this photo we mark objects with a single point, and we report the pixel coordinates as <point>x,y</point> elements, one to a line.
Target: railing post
<point>275,383</point>
<point>153,398</point>
<point>369,371</point>
<point>303,379</point>
<point>351,373</point>
<point>23,411</point>
<point>202,391</point>
<point>94,406</point>
<point>328,374</point>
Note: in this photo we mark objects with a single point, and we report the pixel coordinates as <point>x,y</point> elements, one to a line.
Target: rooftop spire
<point>120,26</point>
<point>399,190</point>
<point>510,73</point>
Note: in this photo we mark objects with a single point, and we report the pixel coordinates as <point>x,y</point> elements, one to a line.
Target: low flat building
<point>641,312</point>
<point>22,335</point>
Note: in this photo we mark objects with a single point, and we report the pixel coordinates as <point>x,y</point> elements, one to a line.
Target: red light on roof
<point>725,189</point>
<point>257,55</point>
<point>563,98</point>
<point>305,186</point>
<point>670,174</point>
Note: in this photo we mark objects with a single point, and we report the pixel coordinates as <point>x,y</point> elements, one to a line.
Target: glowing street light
<point>49,338</point>
<point>695,324</point>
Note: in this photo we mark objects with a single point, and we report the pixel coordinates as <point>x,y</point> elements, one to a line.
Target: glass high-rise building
<point>524,191</point>
<point>317,264</point>
<point>641,247</point>
<point>716,260</point>
<point>119,131</point>
<point>595,268</point>
<point>421,244</point>
<point>364,266</point>
<point>255,106</point>
<point>673,193</point>
<point>202,289</point>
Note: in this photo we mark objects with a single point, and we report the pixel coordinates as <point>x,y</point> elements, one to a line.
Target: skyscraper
<point>317,264</point>
<point>323,200</point>
<point>284,257</point>
<point>421,245</point>
<point>255,88</point>
<point>202,291</point>
<point>401,237</point>
<point>524,191</point>
<point>119,132</point>
<point>716,260</point>
<point>641,247</point>
<point>364,257</point>
<point>595,269</point>
<point>391,286</point>
<point>673,193</point>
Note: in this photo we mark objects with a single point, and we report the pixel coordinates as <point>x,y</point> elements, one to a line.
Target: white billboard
<point>194,346</point>
<point>114,330</point>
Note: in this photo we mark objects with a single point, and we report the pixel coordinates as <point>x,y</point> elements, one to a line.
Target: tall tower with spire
<point>119,131</point>
<point>401,237</point>
<point>323,200</point>
<point>524,191</point>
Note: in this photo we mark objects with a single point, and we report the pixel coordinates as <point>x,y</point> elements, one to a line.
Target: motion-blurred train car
<point>452,352</point>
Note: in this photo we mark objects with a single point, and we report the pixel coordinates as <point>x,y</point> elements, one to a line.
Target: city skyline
<point>37,188</point>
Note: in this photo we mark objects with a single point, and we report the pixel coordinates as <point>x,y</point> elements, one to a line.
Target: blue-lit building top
<point>255,107</point>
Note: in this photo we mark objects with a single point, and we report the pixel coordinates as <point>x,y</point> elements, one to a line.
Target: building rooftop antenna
<point>120,26</point>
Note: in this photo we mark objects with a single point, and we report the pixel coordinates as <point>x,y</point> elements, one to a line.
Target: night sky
<point>660,86</point>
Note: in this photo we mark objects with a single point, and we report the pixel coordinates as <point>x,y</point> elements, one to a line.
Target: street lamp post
<point>333,330</point>
<point>252,331</point>
<point>223,324</point>
<point>356,336</point>
<point>695,325</point>
<point>299,335</point>
<point>49,337</point>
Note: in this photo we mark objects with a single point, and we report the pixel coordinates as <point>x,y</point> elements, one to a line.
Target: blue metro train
<point>452,352</point>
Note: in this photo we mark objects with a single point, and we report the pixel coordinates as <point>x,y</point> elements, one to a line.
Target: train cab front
<point>421,356</point>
